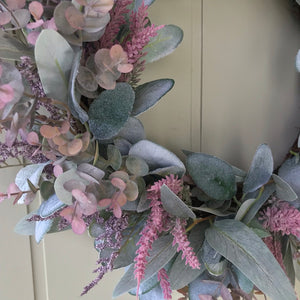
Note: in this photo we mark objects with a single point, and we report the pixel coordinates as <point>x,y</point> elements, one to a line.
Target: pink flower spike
<point>33,138</point>
<point>36,9</point>
<point>163,278</point>
<point>34,25</point>
<point>181,239</point>
<point>32,37</point>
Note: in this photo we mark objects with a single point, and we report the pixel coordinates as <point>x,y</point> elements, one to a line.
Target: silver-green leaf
<point>243,248</point>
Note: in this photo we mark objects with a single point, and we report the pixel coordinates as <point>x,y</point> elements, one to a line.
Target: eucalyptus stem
<point>197,221</point>
<point>16,165</point>
<point>96,156</point>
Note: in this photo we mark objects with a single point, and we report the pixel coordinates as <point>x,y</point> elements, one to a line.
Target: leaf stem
<point>197,221</point>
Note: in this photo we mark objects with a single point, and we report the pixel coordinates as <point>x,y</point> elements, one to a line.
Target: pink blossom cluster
<point>163,278</point>
<point>282,217</point>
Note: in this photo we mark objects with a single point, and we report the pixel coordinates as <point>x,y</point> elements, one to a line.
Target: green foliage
<point>167,40</point>
<point>283,189</point>
<point>148,94</point>
<point>110,111</point>
<point>260,170</point>
<point>13,49</point>
<point>244,249</point>
<point>74,96</point>
<point>54,59</point>
<point>156,156</point>
<point>213,175</point>
<point>174,205</point>
<point>136,166</point>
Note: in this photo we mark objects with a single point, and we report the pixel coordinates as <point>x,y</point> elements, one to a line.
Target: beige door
<point>236,87</point>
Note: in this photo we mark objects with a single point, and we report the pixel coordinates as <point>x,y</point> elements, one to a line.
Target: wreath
<point>69,101</point>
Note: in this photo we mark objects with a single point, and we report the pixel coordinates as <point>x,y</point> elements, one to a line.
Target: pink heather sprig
<point>181,239</point>
<point>140,34</point>
<point>164,281</point>
<point>274,246</point>
<point>282,217</point>
<point>157,222</point>
<point>117,19</point>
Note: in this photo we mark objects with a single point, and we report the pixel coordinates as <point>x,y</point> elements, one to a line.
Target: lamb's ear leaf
<point>54,59</point>
<point>260,170</point>
<point>149,93</point>
<point>164,43</point>
<point>244,249</point>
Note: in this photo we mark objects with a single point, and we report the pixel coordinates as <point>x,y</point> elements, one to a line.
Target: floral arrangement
<point>69,101</point>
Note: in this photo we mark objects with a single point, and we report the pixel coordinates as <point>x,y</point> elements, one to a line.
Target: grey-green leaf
<point>156,156</point>
<point>50,206</point>
<point>260,170</point>
<point>148,94</point>
<point>243,248</point>
<point>283,189</point>
<point>166,41</point>
<point>12,49</point>
<point>136,166</point>
<point>162,252</point>
<point>244,209</point>
<point>74,96</point>
<point>174,205</point>
<point>254,206</point>
<point>213,175</point>
<point>54,59</point>
<point>110,111</point>
<point>132,131</point>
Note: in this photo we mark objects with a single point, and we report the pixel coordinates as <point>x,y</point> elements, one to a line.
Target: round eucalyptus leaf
<point>60,19</point>
<point>110,111</point>
<point>136,166</point>
<point>213,175</point>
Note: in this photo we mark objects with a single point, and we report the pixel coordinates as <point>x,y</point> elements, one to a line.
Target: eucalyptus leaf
<point>283,189</point>
<point>46,189</point>
<point>74,96</point>
<point>147,287</point>
<point>13,49</point>
<point>155,294</point>
<point>62,194</point>
<point>156,156</point>
<point>174,205</point>
<point>162,252</point>
<point>41,228</point>
<point>255,206</point>
<point>132,131</point>
<point>136,166</point>
<point>60,18</point>
<point>212,211</point>
<point>244,283</point>
<point>260,170</point>
<point>25,227</point>
<point>138,3</point>
<point>213,175</point>
<point>164,43</point>
<point>50,206</point>
<point>208,287</point>
<point>244,209</point>
<point>290,172</point>
<point>110,111</point>
<point>148,94</point>
<point>244,249</point>
<point>32,173</point>
<point>114,157</point>
<point>54,59</point>
<point>288,263</point>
